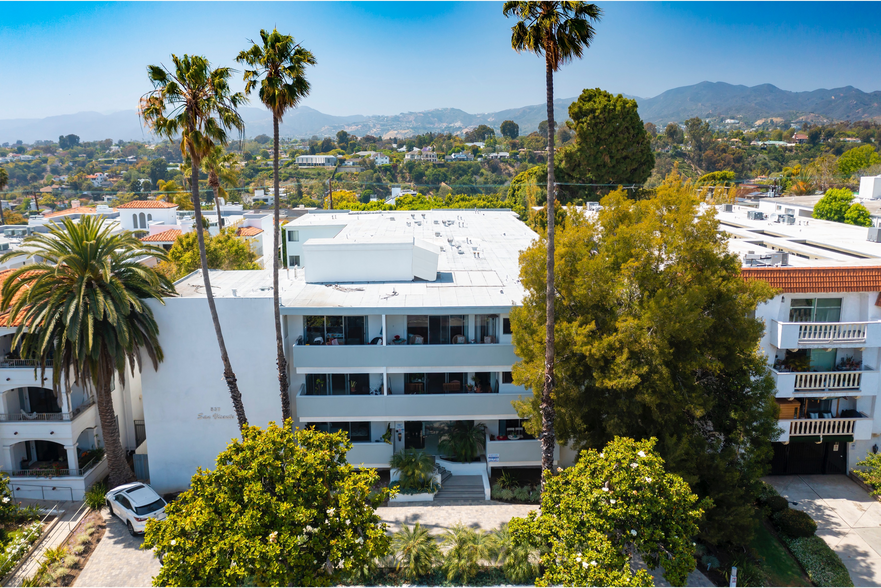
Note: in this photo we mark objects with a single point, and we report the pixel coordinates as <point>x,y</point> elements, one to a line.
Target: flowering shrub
<point>283,507</point>
<point>8,508</point>
<point>20,542</point>
<point>823,565</point>
<point>612,504</point>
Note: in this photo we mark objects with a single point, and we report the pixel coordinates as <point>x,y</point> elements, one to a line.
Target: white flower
<point>648,480</point>
<point>578,558</point>
<point>605,489</point>
<point>559,469</point>
<point>330,511</point>
<point>613,501</point>
<point>5,499</point>
<point>273,536</point>
<point>584,564</point>
<point>174,541</point>
<point>593,562</point>
<point>309,528</point>
<point>359,540</point>
<point>603,454</point>
<point>348,522</point>
<point>633,465</point>
<point>633,532</point>
<point>641,454</point>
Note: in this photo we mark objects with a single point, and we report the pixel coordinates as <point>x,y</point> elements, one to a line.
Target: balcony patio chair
<point>376,341</point>
<point>458,339</point>
<point>826,415</point>
<point>813,415</point>
<point>318,341</point>
<point>28,416</point>
<point>488,339</point>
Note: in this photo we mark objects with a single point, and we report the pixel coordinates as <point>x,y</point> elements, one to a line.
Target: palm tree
<point>282,65</point>
<point>416,551</point>
<point>515,559</point>
<point>415,467</point>
<point>4,180</point>
<point>81,305</point>
<point>560,31</point>
<point>220,167</point>
<point>195,102</point>
<point>463,440</point>
<point>466,548</point>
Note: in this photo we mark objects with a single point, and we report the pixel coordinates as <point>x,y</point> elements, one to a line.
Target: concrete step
<point>466,481</point>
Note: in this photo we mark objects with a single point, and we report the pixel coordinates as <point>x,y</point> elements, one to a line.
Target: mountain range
<point>704,100</point>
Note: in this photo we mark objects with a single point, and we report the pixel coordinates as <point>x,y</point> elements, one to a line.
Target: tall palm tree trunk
<point>548,438</point>
<point>228,374</point>
<point>276,303</point>
<point>120,472</point>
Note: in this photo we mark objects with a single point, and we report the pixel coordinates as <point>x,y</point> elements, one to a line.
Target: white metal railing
<point>46,416</point>
<point>22,363</point>
<point>802,427</point>
<point>805,381</point>
<point>831,332</point>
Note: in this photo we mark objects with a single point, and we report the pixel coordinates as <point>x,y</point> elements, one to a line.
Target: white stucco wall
<point>190,383</point>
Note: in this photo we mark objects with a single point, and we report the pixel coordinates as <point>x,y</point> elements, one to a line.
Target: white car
<point>134,504</point>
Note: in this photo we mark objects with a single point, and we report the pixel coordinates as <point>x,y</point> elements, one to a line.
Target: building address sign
<point>214,414</point>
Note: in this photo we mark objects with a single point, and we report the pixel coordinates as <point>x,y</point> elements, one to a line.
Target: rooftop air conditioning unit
<point>755,215</point>
<point>790,219</point>
<point>728,208</point>
<point>874,235</point>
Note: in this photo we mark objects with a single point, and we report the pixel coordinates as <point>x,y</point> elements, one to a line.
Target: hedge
<point>823,565</point>
<point>795,523</point>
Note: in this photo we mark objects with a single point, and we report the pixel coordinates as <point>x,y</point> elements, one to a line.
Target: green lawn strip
<point>781,567</point>
<point>823,565</point>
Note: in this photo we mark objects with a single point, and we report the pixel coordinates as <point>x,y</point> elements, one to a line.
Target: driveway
<point>118,560</point>
<point>848,519</point>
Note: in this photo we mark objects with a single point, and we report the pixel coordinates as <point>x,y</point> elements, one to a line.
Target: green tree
<point>510,129</point>
<point>858,215</point>
<point>463,440</point>
<point>4,181</point>
<point>281,508</point>
<point>651,129</point>
<point>82,306</point>
<point>278,65</point>
<point>611,144</point>
<point>674,133</point>
<point>196,103</point>
<point>518,560</point>
<point>856,159</point>
<point>466,548</point>
<point>262,139</point>
<point>415,468</point>
<point>416,551</point>
<point>613,503</point>
<point>834,205</point>
<point>342,139</point>
<point>871,472</point>
<point>560,31</point>
<point>700,137</point>
<point>158,170</point>
<point>656,340</point>
<point>223,251</point>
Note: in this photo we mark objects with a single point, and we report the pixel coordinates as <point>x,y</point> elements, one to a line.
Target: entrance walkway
<point>70,514</point>
<point>848,519</point>
<point>118,560</point>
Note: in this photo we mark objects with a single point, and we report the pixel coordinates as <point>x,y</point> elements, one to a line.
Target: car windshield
<point>152,507</point>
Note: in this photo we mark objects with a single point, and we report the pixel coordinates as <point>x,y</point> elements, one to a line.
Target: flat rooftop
<point>478,265</point>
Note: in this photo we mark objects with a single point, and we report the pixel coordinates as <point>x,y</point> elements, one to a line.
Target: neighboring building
<point>426,154</point>
<point>165,238</point>
<point>499,155</point>
<point>316,160</point>
<point>460,156</point>
<point>382,159</point>
<point>137,215</point>
<point>799,138</point>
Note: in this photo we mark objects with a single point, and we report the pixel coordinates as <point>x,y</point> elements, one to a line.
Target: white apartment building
<point>316,160</point>
<point>425,154</point>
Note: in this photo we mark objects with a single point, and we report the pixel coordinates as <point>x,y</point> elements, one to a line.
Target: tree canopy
<point>858,158</point>
<point>655,339</point>
<point>834,205</point>
<point>510,129</point>
<point>611,144</point>
<point>224,251</point>
<point>611,504</point>
<point>858,215</point>
<point>281,508</point>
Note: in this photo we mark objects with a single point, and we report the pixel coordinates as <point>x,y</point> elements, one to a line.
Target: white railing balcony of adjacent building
<point>790,384</point>
<point>55,472</point>
<point>787,335</point>
<point>860,428</point>
<point>22,363</point>
<point>43,417</point>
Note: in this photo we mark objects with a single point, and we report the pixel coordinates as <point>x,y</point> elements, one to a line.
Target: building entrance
<point>806,458</point>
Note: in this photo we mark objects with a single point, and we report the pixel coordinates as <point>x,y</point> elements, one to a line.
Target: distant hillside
<point>705,100</point>
<point>718,99</point>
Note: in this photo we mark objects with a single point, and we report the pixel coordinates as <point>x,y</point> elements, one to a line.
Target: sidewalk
<point>848,519</point>
<point>71,515</point>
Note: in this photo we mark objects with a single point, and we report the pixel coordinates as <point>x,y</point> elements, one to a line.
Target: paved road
<point>118,560</point>
<point>848,519</point>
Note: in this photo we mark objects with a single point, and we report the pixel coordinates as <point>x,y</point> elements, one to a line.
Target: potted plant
<point>387,436</point>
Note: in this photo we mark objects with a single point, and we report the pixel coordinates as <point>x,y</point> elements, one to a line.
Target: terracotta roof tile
<point>248,231</point>
<point>148,204</point>
<point>67,211</point>
<point>164,237</point>
<point>818,279</point>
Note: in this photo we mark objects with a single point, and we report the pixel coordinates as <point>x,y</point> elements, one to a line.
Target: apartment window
<point>512,428</point>
<point>293,236</point>
<point>506,326</point>
<point>294,261</point>
<point>507,378</point>
<point>487,328</point>
<point>336,330</point>
<point>436,330</point>
<point>337,384</point>
<point>819,310</point>
<point>355,431</point>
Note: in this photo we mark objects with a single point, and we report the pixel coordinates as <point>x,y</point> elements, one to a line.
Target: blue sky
<point>392,57</point>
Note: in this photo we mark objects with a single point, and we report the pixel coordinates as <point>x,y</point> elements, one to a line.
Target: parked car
<point>134,504</point>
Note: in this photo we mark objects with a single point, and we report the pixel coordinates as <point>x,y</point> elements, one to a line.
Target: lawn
<point>781,567</point>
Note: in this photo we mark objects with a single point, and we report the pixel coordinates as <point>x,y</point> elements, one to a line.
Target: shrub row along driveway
<point>848,519</point>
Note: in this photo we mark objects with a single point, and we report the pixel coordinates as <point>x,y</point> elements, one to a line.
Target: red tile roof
<point>67,211</point>
<point>248,231</point>
<point>818,279</point>
<point>164,237</point>
<point>148,204</point>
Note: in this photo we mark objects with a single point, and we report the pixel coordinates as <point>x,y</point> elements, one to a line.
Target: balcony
<point>370,455</point>
<point>22,363</point>
<point>792,384</point>
<point>810,335</point>
<point>860,428</point>
<point>45,417</point>
<point>56,472</point>
<point>405,407</point>
<point>405,358</point>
